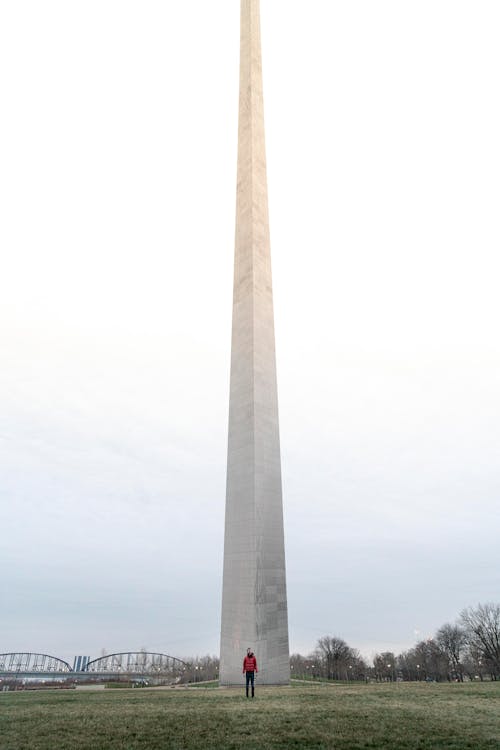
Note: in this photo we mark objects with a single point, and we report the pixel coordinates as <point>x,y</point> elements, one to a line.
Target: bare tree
<point>208,667</point>
<point>438,661</point>
<point>452,640</point>
<point>474,664</point>
<point>357,669</point>
<point>426,661</point>
<point>408,665</point>
<point>385,667</point>
<point>200,668</point>
<point>482,626</point>
<point>335,657</point>
<point>299,666</point>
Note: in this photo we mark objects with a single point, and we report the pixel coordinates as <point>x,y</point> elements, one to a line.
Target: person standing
<point>250,669</point>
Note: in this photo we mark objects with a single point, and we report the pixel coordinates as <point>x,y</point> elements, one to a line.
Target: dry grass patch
<point>355,717</point>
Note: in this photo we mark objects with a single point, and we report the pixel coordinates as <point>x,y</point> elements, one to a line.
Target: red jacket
<point>250,664</point>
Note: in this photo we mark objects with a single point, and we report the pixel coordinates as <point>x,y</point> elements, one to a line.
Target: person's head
<point>249,651</point>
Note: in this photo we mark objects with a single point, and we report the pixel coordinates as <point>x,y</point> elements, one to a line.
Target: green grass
<point>206,684</point>
<point>347,717</point>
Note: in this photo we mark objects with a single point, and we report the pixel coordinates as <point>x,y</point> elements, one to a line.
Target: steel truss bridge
<point>128,664</point>
<point>15,663</point>
<point>136,662</point>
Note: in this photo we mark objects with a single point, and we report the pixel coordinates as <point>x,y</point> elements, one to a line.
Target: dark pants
<point>250,679</point>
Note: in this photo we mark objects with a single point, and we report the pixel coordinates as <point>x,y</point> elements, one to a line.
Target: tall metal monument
<point>254,604</point>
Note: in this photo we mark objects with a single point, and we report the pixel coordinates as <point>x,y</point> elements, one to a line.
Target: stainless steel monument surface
<point>254,604</point>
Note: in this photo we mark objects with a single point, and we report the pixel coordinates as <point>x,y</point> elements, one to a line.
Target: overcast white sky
<point>117,177</point>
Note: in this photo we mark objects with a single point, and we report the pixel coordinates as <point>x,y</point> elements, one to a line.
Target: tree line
<point>467,649</point>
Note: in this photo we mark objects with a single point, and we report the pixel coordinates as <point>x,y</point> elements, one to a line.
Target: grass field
<point>347,717</point>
